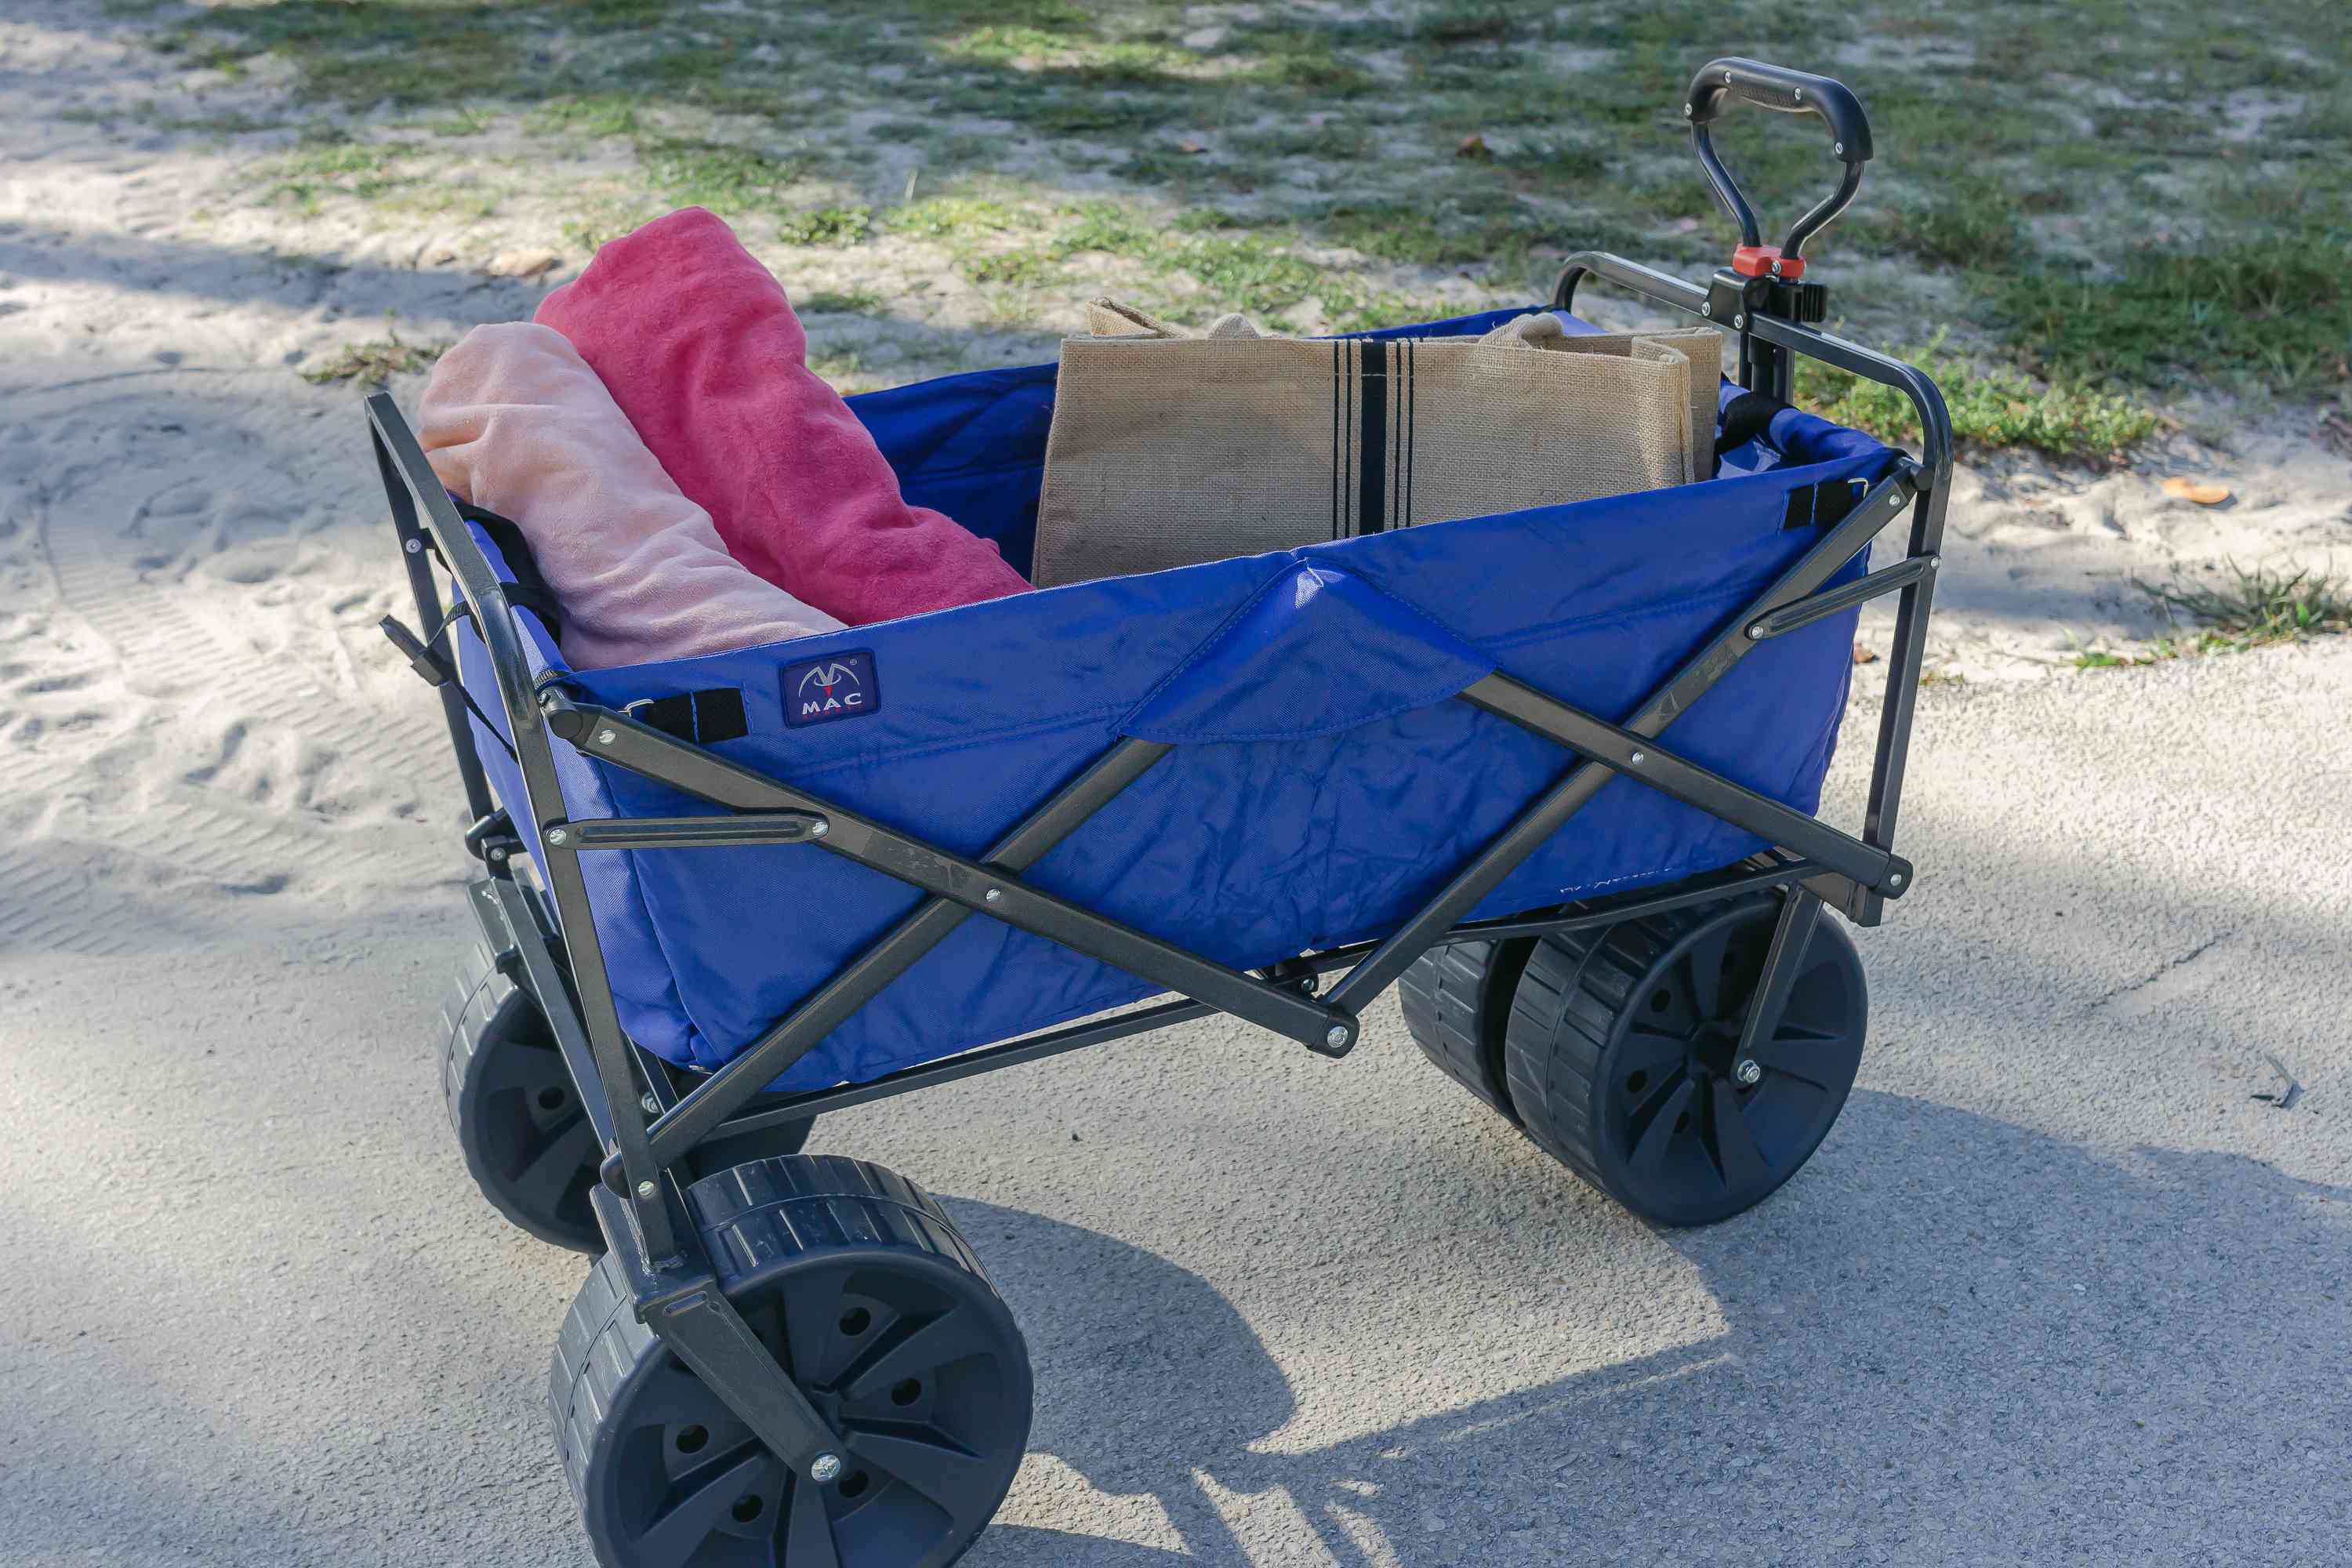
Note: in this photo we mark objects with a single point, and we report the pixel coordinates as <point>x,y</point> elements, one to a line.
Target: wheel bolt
<point>1749,1071</point>
<point>824,1468</point>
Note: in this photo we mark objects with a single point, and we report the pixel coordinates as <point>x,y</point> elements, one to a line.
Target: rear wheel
<point>1457,1004</point>
<point>1620,1048</point>
<point>526,1137</point>
<point>870,1299</point>
<point>519,1123</point>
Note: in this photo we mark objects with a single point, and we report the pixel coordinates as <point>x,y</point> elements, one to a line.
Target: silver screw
<point>605,737</point>
<point>1838,148</point>
<point>556,836</point>
<point>995,894</point>
<point>1741,321</point>
<point>818,828</point>
<point>498,853</point>
<point>647,1189</point>
<point>1638,758</point>
<point>1756,633</point>
<point>653,1106</point>
<point>1934,562</point>
<point>414,546</point>
<point>1335,1035</point>
<point>1707,307</point>
<point>1894,878</point>
<point>1686,112</point>
<point>1748,1071</point>
<point>824,1468</point>
<point>1801,95</point>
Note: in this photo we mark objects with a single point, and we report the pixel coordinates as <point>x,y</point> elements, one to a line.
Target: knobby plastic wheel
<point>528,1143</point>
<point>1457,1002</point>
<point>868,1297</point>
<point>1623,1055</point>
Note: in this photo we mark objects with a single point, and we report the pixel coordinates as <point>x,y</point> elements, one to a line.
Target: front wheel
<point>1621,1056</point>
<point>862,1288</point>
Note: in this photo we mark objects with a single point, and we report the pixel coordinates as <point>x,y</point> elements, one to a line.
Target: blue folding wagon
<point>1552,773</point>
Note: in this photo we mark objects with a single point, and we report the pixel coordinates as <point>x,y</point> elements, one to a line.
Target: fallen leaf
<point>1863,656</point>
<point>1474,146</point>
<point>521,263</point>
<point>2179,488</point>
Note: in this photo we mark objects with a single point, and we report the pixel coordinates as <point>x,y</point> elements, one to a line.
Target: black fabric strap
<point>1746,418</point>
<point>529,591</point>
<point>1824,505</point>
<point>702,717</point>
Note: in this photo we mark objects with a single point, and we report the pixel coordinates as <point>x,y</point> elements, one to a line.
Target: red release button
<point>1763,260</point>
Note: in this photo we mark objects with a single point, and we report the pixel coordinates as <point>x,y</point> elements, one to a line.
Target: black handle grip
<point>1783,91</point>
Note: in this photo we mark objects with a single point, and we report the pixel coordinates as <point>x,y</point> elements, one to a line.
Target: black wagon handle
<point>1723,82</point>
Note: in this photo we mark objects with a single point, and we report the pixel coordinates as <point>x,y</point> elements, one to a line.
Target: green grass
<point>2272,310</point>
<point>1989,407</point>
<point>2057,182</point>
<point>833,225</point>
<point>374,362</point>
<point>2260,608</point>
<point>731,181</point>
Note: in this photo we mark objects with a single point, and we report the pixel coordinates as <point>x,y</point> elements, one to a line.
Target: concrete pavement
<point>2061,1287</point>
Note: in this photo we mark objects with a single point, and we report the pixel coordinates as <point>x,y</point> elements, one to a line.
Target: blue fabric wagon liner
<point>1323,785</point>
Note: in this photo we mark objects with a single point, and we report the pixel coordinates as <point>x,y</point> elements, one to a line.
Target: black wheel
<point>527,1141</point>
<point>526,1138</point>
<point>1458,1004</point>
<point>1620,1052</point>
<point>871,1299</point>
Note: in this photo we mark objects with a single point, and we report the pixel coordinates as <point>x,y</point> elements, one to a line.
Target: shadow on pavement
<point>2004,1342</point>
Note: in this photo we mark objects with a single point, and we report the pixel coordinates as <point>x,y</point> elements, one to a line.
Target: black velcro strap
<point>1824,505</point>
<point>701,717</point>
<point>529,591</point>
<point>1746,418</point>
<point>1833,498</point>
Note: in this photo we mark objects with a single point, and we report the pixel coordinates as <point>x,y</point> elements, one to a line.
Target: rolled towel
<point>701,350</point>
<point>514,421</point>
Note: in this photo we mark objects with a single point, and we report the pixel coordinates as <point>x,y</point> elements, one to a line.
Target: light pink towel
<point>515,421</point>
<point>701,350</point>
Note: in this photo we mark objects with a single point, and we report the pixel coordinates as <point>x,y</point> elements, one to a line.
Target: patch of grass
<point>2258,609</point>
<point>1451,25</point>
<point>331,164</point>
<point>1971,220</point>
<point>729,180</point>
<point>1990,407</point>
<point>841,302</point>
<point>835,226</point>
<point>943,217</point>
<point>464,123</point>
<point>375,363</point>
<point>2276,308</point>
<point>2262,605</point>
<point>590,114</point>
<point>1422,236</point>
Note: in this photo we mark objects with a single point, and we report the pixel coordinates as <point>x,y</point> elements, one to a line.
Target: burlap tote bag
<point>1170,448</point>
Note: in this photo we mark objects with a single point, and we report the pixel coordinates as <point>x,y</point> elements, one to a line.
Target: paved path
<point>2061,1287</point>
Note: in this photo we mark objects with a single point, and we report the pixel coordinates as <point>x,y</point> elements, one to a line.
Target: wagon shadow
<point>2062,1338</point>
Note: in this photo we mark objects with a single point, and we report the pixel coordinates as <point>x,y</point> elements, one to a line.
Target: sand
<point>201,728</point>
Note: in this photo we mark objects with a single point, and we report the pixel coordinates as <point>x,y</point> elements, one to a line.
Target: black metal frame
<point>646,1127</point>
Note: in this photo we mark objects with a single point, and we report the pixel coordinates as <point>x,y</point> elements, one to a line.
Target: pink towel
<point>701,350</point>
<point>515,421</point>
